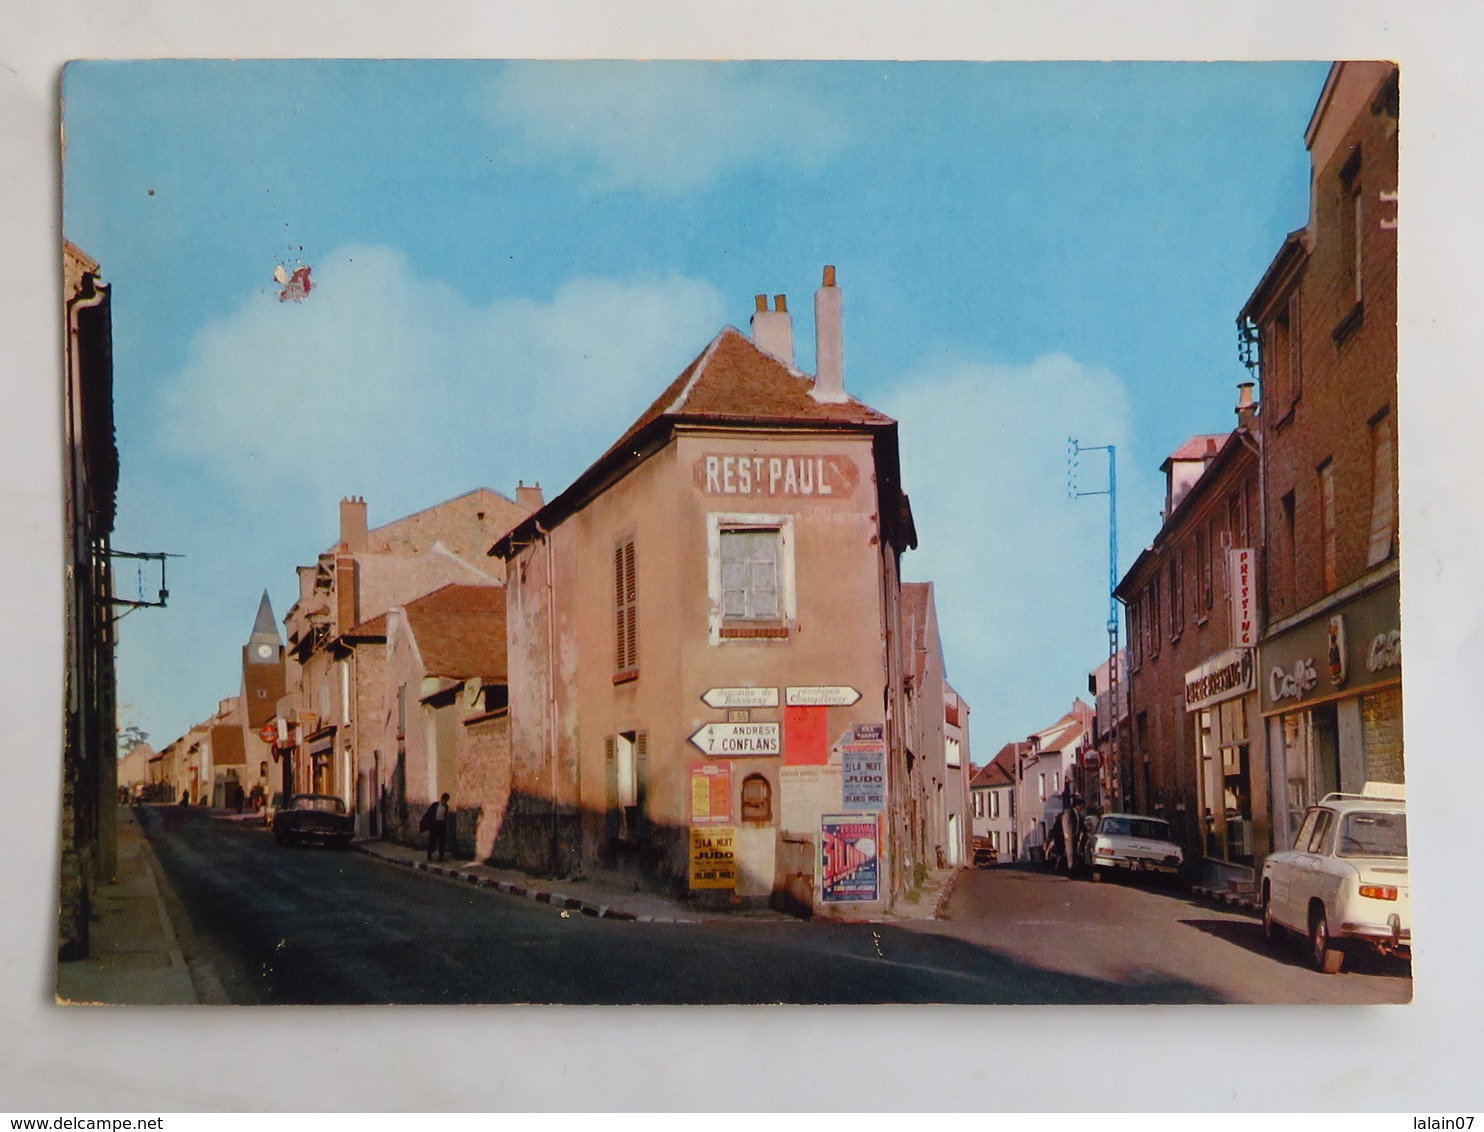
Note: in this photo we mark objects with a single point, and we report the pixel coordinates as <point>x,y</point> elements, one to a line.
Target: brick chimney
<point>773,330</point>
<point>829,342</point>
<point>1246,406</point>
<point>529,497</point>
<point>353,524</point>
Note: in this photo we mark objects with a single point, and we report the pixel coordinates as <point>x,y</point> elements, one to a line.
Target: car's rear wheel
<point>1327,960</point>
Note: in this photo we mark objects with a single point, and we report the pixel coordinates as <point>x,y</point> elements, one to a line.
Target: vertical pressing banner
<point>711,793</point>
<point>863,755</point>
<point>1242,564</point>
<point>849,858</point>
<point>806,737</point>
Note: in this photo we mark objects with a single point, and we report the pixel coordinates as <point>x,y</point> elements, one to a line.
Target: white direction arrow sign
<point>739,740</point>
<point>838,695</point>
<point>741,697</point>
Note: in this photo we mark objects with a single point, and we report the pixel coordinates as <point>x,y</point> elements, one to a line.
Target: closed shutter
<point>610,766</point>
<point>626,610</point>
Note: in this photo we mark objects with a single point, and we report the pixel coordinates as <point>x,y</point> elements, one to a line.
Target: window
<point>1327,525</point>
<point>994,840</point>
<point>1043,787</point>
<point>1135,629</point>
<point>757,799</point>
<point>626,612</point>
<point>951,752</point>
<point>626,760</point>
<point>1383,491</point>
<point>1352,225</point>
<point>1282,375</point>
<point>1154,617</point>
<point>1177,595</point>
<point>978,803</point>
<point>1290,537</point>
<point>994,803</point>
<point>1203,571</point>
<point>750,576</point>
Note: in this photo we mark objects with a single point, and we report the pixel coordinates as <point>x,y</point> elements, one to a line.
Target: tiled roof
<point>1201,446</point>
<point>372,629</point>
<point>460,632</point>
<point>915,599</point>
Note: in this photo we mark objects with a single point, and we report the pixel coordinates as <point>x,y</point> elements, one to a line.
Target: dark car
<point>314,817</point>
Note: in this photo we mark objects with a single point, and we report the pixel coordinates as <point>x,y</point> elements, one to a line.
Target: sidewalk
<point>607,902</point>
<point>137,959</point>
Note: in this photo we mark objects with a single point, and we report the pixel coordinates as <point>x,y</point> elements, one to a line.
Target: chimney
<point>529,497</point>
<point>829,342</point>
<point>1246,406</point>
<point>773,330</point>
<point>353,524</point>
<point>347,607</point>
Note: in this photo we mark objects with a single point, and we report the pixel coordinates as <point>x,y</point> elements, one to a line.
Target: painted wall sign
<point>740,697</point>
<point>849,858</point>
<point>1242,570</point>
<point>807,792</point>
<point>713,857</point>
<point>1352,647</point>
<point>1226,675</point>
<point>830,695</point>
<point>863,761</point>
<point>711,793</point>
<point>806,736</point>
<point>770,477</point>
<point>739,740</point>
<point>1293,683</point>
<point>1385,651</point>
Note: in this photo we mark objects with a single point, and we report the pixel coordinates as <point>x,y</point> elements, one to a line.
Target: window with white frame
<point>1042,786</point>
<point>951,752</point>
<point>750,576</point>
<point>994,803</point>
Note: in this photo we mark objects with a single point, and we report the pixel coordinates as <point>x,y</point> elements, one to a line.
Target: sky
<point>511,260</point>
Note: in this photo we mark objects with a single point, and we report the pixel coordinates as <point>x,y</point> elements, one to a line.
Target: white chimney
<point>773,330</point>
<point>829,342</point>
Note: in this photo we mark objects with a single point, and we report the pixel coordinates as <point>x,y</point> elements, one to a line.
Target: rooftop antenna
<point>1074,452</point>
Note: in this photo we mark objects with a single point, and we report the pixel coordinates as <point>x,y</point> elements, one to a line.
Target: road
<point>318,926</point>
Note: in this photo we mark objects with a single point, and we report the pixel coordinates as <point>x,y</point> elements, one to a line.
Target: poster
<point>807,791</point>
<point>710,793</point>
<point>806,739</point>
<point>849,858</point>
<point>713,857</point>
<point>863,754</point>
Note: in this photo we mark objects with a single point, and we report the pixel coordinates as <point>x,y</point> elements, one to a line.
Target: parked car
<point>314,817</point>
<point>1132,843</point>
<point>984,852</point>
<point>1344,883</point>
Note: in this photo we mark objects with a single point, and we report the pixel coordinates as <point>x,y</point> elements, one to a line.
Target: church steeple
<point>265,643</point>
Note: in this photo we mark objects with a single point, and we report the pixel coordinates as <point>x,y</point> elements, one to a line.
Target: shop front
<point>1331,689</point>
<point>1221,699</point>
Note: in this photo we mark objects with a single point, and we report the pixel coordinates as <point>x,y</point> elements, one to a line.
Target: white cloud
<point>665,127</point>
<point>1020,569</point>
<point>289,401</point>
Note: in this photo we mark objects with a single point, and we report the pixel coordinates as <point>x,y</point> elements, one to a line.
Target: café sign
<point>775,477</point>
<point>1225,675</point>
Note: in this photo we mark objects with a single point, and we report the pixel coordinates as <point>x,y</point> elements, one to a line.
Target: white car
<point>1345,879</point>
<point>1132,842</point>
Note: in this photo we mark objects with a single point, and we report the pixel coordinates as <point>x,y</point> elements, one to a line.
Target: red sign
<point>806,739</point>
<point>268,733</point>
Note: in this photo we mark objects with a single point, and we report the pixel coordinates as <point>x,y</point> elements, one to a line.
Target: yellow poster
<point>713,857</point>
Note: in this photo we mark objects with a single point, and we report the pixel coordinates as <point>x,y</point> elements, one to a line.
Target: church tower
<point>262,668</point>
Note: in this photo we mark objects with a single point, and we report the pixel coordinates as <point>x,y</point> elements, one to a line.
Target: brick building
<point>1195,735</point>
<point>1324,315</point>
<point>89,743</point>
<point>706,664</point>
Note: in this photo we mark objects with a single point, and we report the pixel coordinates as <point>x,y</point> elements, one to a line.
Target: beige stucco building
<point>706,666</point>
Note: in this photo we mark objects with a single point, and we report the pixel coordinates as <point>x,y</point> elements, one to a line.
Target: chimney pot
<point>1246,406</point>
<point>773,330</point>
<point>829,342</point>
<point>530,497</point>
<point>780,303</point>
<point>760,302</point>
<point>829,275</point>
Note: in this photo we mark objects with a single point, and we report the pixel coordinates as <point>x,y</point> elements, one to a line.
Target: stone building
<point>1045,776</point>
<point>89,751</point>
<point>1195,736</point>
<point>706,665</point>
<point>1324,319</point>
<point>994,788</point>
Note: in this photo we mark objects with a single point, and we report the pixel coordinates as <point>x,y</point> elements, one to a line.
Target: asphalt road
<point>320,926</point>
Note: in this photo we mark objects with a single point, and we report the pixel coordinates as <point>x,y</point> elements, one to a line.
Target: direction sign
<point>739,740</point>
<point>837,695</point>
<point>741,697</point>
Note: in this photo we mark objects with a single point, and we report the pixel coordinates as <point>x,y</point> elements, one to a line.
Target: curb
<point>1226,897</point>
<point>540,896</point>
<point>947,892</point>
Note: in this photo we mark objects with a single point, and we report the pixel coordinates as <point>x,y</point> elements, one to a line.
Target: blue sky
<point>511,260</point>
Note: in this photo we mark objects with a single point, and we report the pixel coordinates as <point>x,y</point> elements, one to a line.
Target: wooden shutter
<point>626,610</point>
<point>610,767</point>
<point>640,826</point>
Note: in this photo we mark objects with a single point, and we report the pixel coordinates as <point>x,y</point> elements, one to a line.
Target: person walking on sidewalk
<point>435,825</point>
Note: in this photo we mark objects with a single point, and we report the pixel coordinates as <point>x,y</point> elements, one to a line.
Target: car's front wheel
<point>1327,960</point>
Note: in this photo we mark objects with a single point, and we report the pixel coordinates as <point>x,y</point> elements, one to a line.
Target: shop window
<point>757,799</point>
<point>1328,557</point>
<point>1383,491</point>
<point>626,612</point>
<point>751,576</point>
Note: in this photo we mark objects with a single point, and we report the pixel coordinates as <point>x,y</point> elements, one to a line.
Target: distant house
<point>993,790</point>
<point>1047,769</point>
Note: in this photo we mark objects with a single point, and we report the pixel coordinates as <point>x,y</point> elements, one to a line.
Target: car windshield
<point>1374,833</point>
<point>319,802</point>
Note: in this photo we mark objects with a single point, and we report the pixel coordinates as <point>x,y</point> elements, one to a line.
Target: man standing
<point>435,825</point>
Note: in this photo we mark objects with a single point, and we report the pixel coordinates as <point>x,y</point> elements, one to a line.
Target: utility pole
<point>1115,678</point>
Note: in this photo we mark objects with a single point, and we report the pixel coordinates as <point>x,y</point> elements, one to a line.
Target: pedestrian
<point>435,825</point>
